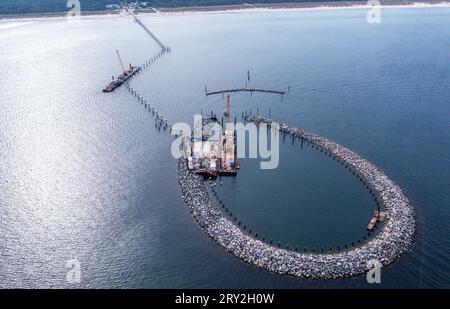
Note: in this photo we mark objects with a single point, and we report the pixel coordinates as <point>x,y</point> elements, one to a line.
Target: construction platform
<point>117,82</point>
<point>211,155</point>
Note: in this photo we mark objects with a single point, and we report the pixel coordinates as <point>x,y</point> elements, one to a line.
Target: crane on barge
<point>121,63</point>
<point>126,74</point>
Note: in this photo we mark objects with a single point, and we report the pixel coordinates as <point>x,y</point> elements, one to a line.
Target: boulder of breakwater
<point>394,239</point>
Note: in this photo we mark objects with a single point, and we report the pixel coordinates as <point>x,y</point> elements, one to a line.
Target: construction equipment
<point>227,111</point>
<point>121,64</point>
<point>126,74</point>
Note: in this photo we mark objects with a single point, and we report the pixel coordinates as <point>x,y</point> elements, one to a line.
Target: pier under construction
<point>132,70</point>
<point>251,90</point>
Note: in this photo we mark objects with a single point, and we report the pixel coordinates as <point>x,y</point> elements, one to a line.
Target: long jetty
<point>246,90</point>
<point>134,70</point>
<point>394,238</point>
<point>160,121</point>
<point>140,23</point>
<point>137,20</point>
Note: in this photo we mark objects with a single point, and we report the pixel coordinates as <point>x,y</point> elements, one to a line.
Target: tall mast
<point>228,109</point>
<point>121,63</point>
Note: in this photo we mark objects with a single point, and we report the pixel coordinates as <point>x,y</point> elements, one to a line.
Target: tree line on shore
<point>51,6</point>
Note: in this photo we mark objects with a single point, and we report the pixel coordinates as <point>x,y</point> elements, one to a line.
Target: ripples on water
<point>85,175</point>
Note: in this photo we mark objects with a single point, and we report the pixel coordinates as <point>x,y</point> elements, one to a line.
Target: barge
<point>117,82</point>
<point>126,74</point>
<point>211,155</point>
<point>377,216</point>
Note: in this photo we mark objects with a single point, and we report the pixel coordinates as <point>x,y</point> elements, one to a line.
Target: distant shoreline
<point>244,7</point>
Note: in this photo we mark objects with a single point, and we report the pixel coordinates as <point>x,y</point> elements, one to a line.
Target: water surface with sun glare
<point>86,175</point>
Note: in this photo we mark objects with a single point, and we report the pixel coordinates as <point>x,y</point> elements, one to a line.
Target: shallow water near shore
<point>86,175</point>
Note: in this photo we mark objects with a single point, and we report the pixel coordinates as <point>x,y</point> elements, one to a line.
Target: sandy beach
<point>238,9</point>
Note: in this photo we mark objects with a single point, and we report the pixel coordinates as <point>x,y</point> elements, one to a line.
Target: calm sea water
<point>86,175</point>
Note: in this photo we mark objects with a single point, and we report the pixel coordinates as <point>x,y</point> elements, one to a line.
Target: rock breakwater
<point>394,238</point>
